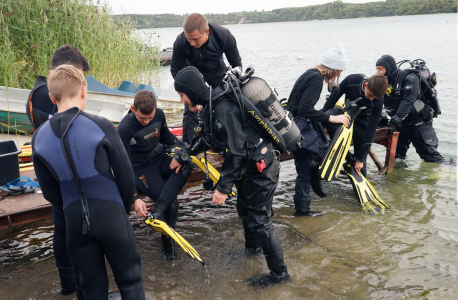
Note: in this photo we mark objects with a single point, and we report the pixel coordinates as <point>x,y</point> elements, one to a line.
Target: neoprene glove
<point>395,122</point>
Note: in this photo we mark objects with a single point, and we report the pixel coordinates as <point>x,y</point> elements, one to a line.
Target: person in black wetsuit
<point>370,93</point>
<point>202,44</point>
<point>39,109</point>
<point>145,136</point>
<point>84,171</point>
<point>414,126</point>
<point>247,148</point>
<point>302,100</point>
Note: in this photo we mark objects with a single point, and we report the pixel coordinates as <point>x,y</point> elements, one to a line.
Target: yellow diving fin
<point>213,173</point>
<point>365,192</point>
<point>334,157</point>
<point>163,228</point>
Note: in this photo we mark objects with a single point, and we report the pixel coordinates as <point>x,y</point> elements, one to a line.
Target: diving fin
<point>163,228</point>
<point>334,157</point>
<point>365,192</point>
<point>213,173</point>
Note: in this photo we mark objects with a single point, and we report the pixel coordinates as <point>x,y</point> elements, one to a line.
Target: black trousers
<point>304,165</point>
<point>150,179</point>
<point>254,206</point>
<point>423,137</point>
<point>111,236</point>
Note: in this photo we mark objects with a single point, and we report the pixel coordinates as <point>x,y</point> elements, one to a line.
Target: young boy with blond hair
<point>84,171</point>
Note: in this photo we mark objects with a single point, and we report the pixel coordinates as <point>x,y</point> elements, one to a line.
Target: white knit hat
<point>336,58</point>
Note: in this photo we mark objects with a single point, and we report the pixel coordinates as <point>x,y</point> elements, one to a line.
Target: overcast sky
<point>180,7</point>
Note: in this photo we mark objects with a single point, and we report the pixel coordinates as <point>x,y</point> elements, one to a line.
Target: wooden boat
<point>103,101</point>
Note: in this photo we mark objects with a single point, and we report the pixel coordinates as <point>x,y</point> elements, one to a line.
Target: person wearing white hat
<point>301,103</point>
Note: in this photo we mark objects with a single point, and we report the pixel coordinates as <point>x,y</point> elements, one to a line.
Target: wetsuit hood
<point>388,62</point>
<point>191,82</point>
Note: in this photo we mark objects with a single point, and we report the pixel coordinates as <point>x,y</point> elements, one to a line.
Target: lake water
<point>410,252</point>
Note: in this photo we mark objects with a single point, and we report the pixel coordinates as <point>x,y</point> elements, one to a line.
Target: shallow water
<point>410,252</point>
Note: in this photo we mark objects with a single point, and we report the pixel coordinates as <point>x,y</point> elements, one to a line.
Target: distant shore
<point>328,11</point>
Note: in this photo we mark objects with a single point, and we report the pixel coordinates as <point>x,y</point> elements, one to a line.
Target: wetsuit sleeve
<point>231,51</point>
<point>167,138</point>
<point>335,95</point>
<point>178,56</point>
<point>49,183</point>
<point>121,167</point>
<point>308,100</point>
<point>372,124</point>
<point>408,97</point>
<point>231,117</point>
<point>126,137</point>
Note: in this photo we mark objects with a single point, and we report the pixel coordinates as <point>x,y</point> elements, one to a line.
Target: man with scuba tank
<point>251,162</point>
<point>202,44</point>
<point>145,136</point>
<point>367,95</point>
<point>412,104</point>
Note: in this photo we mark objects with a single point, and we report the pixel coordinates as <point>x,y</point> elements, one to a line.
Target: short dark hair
<point>377,84</point>
<point>69,55</point>
<point>195,21</point>
<point>145,102</point>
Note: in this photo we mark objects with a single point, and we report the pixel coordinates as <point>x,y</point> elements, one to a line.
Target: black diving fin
<point>334,157</point>
<point>365,192</point>
<point>163,228</point>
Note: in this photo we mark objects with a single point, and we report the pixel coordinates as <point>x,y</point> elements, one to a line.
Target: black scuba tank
<point>269,113</point>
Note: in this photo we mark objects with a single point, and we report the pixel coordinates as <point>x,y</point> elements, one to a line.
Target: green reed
<point>31,30</point>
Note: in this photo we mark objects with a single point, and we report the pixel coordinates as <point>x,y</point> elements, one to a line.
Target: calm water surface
<point>411,252</point>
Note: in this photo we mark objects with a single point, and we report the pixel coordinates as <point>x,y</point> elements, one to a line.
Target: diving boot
<point>167,248</point>
<point>308,213</point>
<point>315,183</point>
<point>262,281</point>
<point>68,282</point>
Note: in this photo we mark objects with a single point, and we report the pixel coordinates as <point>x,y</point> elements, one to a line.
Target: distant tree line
<point>332,10</point>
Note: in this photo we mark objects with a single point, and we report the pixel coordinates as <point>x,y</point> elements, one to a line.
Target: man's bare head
<point>196,29</point>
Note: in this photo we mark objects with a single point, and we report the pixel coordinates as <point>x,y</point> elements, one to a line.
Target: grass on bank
<point>31,30</point>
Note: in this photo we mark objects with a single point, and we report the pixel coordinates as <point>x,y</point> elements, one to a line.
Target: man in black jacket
<point>414,125</point>
<point>251,162</point>
<point>202,44</point>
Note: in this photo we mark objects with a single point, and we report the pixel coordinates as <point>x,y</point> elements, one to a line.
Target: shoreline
<point>314,20</point>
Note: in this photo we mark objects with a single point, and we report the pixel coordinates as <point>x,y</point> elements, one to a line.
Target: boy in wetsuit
<point>39,109</point>
<point>84,171</point>
<point>145,136</point>
<point>368,93</point>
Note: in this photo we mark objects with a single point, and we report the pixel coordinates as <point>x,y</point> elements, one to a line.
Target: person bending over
<point>302,100</point>
<point>364,92</point>
<point>145,135</point>
<point>251,162</point>
<point>84,171</point>
<point>202,44</point>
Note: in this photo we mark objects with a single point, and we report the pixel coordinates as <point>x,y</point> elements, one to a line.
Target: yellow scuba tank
<point>269,113</point>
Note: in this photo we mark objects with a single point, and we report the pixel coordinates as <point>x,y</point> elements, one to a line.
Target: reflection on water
<point>410,252</point>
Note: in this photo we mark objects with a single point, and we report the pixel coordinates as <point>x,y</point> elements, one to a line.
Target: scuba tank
<point>264,106</point>
<point>428,82</point>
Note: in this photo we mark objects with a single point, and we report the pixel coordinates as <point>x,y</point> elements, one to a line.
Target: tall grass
<point>31,30</point>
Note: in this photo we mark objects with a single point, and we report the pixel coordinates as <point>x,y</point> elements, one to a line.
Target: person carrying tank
<point>84,171</point>
<point>202,44</point>
<point>302,100</point>
<point>365,93</point>
<point>251,162</point>
<point>39,109</point>
<point>145,136</point>
<point>413,126</point>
